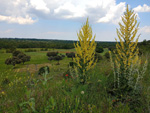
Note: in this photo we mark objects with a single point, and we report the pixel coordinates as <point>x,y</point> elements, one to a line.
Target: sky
<point>62,19</point>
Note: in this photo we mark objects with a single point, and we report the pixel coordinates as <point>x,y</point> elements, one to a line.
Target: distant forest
<point>45,43</point>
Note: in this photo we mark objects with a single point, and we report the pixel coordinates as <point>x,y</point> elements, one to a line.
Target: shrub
<point>44,49</point>
<point>30,50</point>
<point>16,53</point>
<point>18,57</point>
<point>58,58</point>
<point>51,58</point>
<point>70,55</point>
<point>99,49</point>
<point>52,54</point>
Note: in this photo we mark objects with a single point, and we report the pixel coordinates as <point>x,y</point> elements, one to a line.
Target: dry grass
<point>32,68</point>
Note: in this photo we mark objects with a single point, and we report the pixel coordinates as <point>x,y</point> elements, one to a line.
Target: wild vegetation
<point>84,81</point>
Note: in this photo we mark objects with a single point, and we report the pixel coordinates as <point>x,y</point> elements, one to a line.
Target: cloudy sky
<point>62,19</point>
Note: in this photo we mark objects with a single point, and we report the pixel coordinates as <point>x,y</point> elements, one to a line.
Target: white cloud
<point>20,20</point>
<point>113,14</point>
<point>40,5</point>
<point>145,29</point>
<point>144,8</point>
<point>101,11</point>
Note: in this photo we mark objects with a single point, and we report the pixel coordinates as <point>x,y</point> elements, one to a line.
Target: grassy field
<point>23,91</point>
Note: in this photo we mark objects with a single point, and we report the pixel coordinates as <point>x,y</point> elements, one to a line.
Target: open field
<point>25,91</point>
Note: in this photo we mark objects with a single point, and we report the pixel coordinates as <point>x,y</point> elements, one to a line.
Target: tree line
<point>8,43</point>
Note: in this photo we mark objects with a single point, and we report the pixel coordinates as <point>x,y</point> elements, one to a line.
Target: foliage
<point>11,49</point>
<point>52,54</point>
<point>70,55</point>
<point>17,58</point>
<point>44,49</point>
<point>30,50</point>
<point>58,58</point>
<point>85,50</point>
<point>16,53</point>
<point>99,49</point>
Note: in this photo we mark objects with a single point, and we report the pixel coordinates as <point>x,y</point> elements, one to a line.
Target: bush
<point>51,58</point>
<point>44,49</point>
<point>18,57</point>
<point>107,55</point>
<point>70,55</point>
<point>52,54</point>
<point>99,49</point>
<point>58,58</point>
<point>30,50</point>
<point>15,53</point>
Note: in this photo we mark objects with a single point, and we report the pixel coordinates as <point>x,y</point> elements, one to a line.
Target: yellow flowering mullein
<point>85,50</point>
<point>126,53</point>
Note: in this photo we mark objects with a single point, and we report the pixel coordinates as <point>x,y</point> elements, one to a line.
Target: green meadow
<point>23,90</point>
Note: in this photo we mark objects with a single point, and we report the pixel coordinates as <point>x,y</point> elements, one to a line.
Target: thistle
<point>85,50</point>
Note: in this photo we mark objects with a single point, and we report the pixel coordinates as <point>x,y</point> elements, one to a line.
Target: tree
<point>58,58</point>
<point>52,54</point>
<point>15,53</point>
<point>85,51</point>
<point>17,58</point>
<point>23,57</point>
<point>13,61</point>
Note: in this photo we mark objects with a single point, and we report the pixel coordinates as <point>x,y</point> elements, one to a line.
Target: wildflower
<point>82,92</point>
<point>67,75</point>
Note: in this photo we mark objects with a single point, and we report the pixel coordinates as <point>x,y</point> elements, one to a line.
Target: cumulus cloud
<point>23,11</point>
<point>144,8</point>
<point>145,29</point>
<point>113,14</point>
<point>40,5</point>
<point>20,20</point>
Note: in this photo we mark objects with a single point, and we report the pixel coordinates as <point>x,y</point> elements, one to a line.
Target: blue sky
<point>55,19</point>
